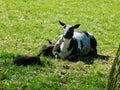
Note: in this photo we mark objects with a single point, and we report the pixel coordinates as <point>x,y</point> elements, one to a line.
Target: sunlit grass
<point>25,25</point>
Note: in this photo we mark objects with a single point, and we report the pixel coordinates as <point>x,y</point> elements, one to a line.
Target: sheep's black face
<point>68,30</point>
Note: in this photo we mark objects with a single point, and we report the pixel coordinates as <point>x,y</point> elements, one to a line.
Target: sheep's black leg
<point>72,58</point>
<point>93,43</point>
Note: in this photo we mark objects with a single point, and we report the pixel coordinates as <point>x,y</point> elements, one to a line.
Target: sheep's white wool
<point>57,45</point>
<point>65,54</point>
<point>86,42</point>
<point>65,45</point>
<point>64,48</point>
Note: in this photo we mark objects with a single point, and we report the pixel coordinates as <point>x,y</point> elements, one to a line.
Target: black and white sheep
<point>74,43</point>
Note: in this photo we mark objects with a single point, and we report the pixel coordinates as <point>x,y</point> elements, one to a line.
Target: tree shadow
<point>91,59</point>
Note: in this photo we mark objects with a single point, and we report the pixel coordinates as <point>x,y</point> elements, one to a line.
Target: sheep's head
<point>68,30</point>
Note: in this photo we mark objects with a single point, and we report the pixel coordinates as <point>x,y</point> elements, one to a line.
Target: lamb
<point>72,43</point>
<point>46,50</point>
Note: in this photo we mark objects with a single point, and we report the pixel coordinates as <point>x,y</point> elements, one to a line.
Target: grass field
<point>25,25</point>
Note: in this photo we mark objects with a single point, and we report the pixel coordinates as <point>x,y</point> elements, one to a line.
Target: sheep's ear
<point>49,41</point>
<point>61,23</point>
<point>76,26</point>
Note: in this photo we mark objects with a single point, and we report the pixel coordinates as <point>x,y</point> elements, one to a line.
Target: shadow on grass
<point>91,59</point>
<point>85,59</point>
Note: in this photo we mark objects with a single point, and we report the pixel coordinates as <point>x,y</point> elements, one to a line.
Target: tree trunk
<point>114,78</point>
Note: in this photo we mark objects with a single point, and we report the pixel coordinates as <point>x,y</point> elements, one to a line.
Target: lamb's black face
<point>68,30</point>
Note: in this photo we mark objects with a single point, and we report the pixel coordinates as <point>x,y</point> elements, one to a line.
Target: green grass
<point>25,25</point>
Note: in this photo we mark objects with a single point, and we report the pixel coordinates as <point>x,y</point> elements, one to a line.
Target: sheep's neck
<point>65,45</point>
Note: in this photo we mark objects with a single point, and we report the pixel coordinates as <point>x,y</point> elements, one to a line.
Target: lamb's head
<point>68,30</point>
